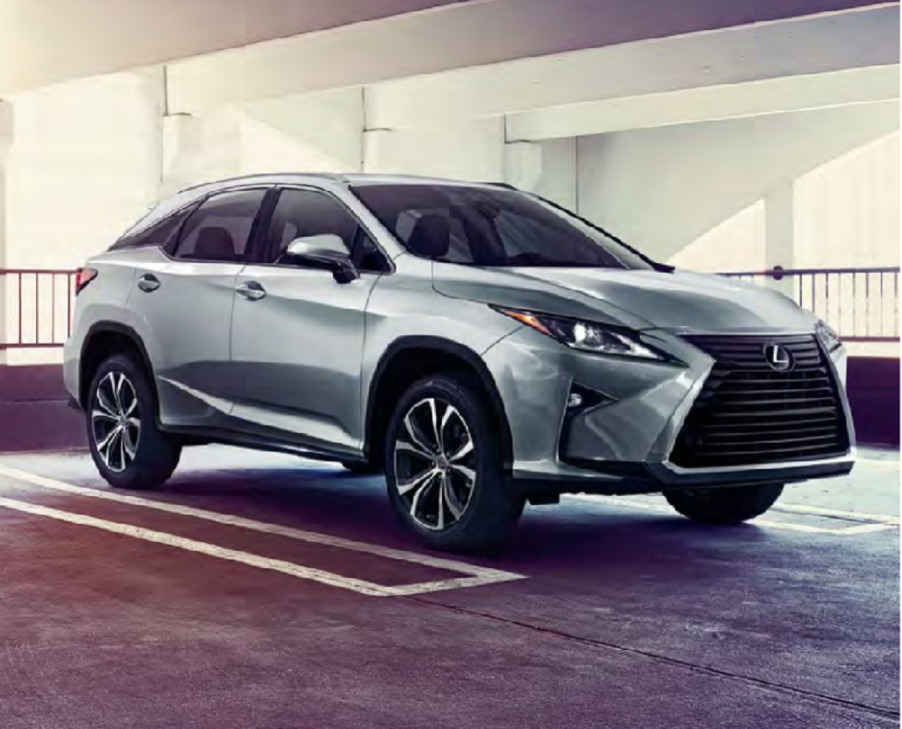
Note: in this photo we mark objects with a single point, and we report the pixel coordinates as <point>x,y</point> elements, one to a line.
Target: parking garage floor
<point>263,591</point>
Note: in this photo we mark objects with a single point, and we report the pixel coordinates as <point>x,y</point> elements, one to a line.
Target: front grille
<point>748,413</point>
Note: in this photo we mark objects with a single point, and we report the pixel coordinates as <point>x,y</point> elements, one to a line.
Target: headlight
<point>585,336</point>
<point>829,338</point>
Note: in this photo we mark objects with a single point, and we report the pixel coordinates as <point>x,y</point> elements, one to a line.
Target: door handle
<point>148,282</point>
<point>251,290</point>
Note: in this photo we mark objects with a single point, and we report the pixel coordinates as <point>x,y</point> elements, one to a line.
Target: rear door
<point>183,306</point>
<point>297,345</point>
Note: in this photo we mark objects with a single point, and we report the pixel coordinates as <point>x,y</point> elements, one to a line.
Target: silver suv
<point>481,346</point>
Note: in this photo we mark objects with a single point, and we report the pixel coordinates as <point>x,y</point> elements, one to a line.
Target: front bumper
<point>622,444</point>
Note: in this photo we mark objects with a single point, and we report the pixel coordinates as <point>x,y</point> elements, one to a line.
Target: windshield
<point>477,226</point>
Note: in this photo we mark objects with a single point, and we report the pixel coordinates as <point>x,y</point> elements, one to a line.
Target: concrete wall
<point>34,414</point>
<point>665,187</point>
<point>874,397</point>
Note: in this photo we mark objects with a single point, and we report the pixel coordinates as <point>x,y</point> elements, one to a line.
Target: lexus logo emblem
<point>778,357</point>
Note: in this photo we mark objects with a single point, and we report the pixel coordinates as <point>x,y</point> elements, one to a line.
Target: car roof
<point>178,200</point>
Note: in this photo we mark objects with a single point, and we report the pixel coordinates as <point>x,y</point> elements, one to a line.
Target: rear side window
<point>219,230</point>
<point>161,234</point>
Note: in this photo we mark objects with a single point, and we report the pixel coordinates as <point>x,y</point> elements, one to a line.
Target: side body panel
<point>296,356</point>
<point>184,325</point>
<point>405,306</point>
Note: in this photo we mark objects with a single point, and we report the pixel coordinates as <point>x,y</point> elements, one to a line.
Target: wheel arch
<point>411,357</point>
<point>103,340</point>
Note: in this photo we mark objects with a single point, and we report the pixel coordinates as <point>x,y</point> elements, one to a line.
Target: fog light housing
<point>574,399</point>
<point>582,398</point>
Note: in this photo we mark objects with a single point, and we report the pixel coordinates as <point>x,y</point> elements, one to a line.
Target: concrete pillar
<point>546,168</point>
<point>6,138</point>
<point>779,209</point>
<point>201,149</point>
<point>523,164</point>
<point>151,90</point>
<point>471,151</point>
<point>320,132</point>
<point>181,140</point>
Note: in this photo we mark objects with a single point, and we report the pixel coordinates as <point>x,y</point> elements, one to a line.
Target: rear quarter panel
<point>103,300</point>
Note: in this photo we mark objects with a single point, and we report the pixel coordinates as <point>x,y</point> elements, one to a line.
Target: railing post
<point>779,211</point>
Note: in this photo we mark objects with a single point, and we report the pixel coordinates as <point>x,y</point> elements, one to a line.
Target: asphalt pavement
<point>261,591</point>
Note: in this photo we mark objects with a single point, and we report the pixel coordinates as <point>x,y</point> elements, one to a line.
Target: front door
<point>297,333</point>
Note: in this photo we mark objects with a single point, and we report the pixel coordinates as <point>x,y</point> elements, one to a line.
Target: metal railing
<point>862,304</point>
<point>35,308</point>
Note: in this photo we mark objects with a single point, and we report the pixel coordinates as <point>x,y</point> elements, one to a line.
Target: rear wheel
<point>128,448</point>
<point>728,505</point>
<point>444,467</point>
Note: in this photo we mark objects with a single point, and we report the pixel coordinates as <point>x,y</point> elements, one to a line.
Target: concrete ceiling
<point>44,41</point>
<point>47,41</point>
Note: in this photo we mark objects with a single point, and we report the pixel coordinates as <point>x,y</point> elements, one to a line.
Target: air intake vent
<point>767,400</point>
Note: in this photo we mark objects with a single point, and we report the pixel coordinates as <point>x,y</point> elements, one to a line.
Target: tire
<point>727,505</point>
<point>360,468</point>
<point>152,455</point>
<point>464,506</point>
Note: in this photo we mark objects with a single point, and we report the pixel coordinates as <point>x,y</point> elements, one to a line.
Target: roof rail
<point>337,177</point>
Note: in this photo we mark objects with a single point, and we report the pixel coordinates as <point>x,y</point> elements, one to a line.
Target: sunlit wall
<point>84,164</point>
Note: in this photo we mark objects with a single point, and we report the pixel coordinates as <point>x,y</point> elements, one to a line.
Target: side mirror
<point>323,251</point>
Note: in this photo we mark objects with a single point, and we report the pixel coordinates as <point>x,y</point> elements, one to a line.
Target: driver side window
<point>303,213</point>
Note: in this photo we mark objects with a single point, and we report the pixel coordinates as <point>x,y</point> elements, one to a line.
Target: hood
<point>680,300</point>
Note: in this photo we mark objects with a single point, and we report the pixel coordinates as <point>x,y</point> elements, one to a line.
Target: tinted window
<point>219,230</point>
<point>492,227</point>
<point>161,234</point>
<point>302,213</point>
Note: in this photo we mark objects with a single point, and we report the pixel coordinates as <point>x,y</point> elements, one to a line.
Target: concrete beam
<point>755,98</point>
<point>113,35</point>
<point>824,44</point>
<point>473,34</point>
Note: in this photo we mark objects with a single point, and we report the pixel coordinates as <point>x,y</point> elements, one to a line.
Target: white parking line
<point>885,522</point>
<point>886,462</point>
<point>857,515</point>
<point>476,575</point>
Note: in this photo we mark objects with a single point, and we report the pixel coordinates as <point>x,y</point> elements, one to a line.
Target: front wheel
<point>726,505</point>
<point>444,467</point>
<point>128,448</point>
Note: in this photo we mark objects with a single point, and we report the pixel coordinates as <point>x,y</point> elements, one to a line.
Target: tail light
<point>84,276</point>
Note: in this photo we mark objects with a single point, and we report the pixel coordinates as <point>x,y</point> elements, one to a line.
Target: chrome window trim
<point>199,202</point>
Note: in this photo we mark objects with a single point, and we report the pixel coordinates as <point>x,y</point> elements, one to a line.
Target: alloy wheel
<point>435,463</point>
<point>115,421</point>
